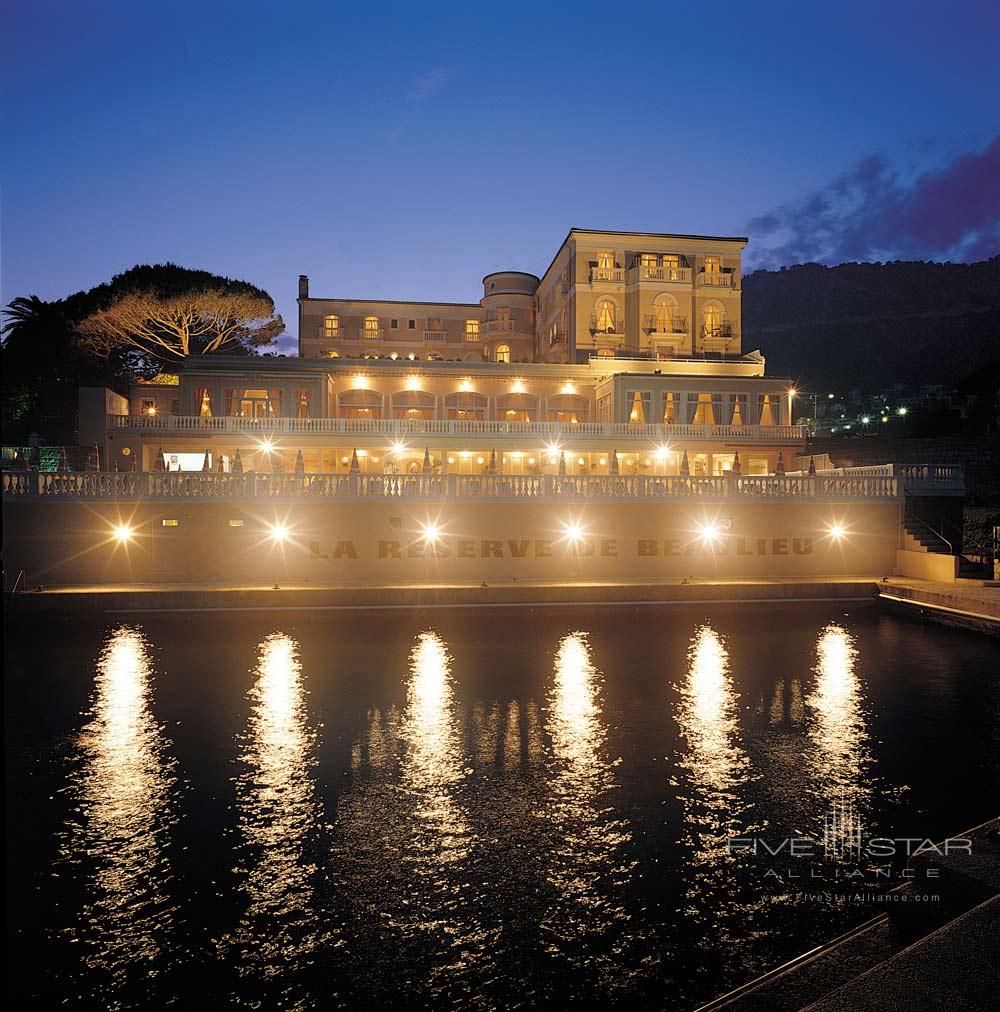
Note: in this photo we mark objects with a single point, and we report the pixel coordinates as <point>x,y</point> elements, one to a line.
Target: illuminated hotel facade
<point>625,356</point>
<point>604,421</point>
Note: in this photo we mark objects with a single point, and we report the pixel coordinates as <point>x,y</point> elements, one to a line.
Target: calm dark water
<point>469,808</point>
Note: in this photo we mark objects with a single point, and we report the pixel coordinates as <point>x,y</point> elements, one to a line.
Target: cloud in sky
<point>872,213</point>
<point>427,85</point>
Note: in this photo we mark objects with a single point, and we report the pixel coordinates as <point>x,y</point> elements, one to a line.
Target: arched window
<point>713,320</point>
<point>666,314</point>
<point>605,313</point>
<point>502,353</point>
<point>360,404</point>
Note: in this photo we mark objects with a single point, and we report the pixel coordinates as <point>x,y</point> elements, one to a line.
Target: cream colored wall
<point>927,566</point>
<point>401,340</point>
<point>635,298</point>
<point>357,543</point>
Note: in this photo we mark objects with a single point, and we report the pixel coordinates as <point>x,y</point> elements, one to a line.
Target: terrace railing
<point>165,485</point>
<point>401,427</point>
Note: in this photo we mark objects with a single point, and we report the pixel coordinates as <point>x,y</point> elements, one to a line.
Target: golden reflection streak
<point>125,789</point>
<point>587,840</point>
<point>432,765</point>
<point>278,807</point>
<point>839,755</point>
<point>714,773</point>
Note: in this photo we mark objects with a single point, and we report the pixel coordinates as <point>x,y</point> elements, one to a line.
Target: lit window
<point>713,320</point>
<point>665,317</point>
<point>170,522</point>
<point>502,353</point>
<point>472,330</point>
<point>647,260</point>
<point>331,325</point>
<point>671,260</point>
<point>606,260</point>
<point>235,523</point>
<point>371,328</point>
<point>605,352</point>
<point>605,314</point>
<point>713,265</point>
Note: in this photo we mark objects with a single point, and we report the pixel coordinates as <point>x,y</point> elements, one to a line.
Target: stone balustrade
<point>402,427</point>
<point>166,485</point>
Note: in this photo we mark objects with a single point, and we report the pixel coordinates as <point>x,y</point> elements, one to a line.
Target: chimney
<point>303,286</point>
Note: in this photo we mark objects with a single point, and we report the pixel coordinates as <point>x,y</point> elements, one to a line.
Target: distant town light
<point>901,411</point>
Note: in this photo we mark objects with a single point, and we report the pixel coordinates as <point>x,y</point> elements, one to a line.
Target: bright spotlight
<point>901,411</point>
<point>266,445</point>
<point>836,531</point>
<point>865,419</point>
<point>553,450</point>
<point>573,531</point>
<point>708,531</point>
<point>661,452</point>
<point>431,532</point>
<point>398,447</point>
<point>123,533</point>
<point>279,533</point>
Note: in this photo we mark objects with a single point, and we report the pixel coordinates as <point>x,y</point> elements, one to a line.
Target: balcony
<point>607,275</point>
<point>677,325</point>
<point>371,333</point>
<point>435,336</point>
<point>719,338</point>
<point>665,275</point>
<point>716,279</point>
<point>330,333</point>
<point>613,330</point>
<point>501,326</point>
<point>157,425</point>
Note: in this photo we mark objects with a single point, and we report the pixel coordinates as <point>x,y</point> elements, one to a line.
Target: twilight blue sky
<point>404,150</point>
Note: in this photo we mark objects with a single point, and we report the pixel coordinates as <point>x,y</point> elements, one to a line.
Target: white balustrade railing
<point>397,427</point>
<point>158,485</point>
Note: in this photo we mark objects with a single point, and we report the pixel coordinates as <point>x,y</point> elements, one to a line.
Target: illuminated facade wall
<point>386,542</point>
<point>615,294</point>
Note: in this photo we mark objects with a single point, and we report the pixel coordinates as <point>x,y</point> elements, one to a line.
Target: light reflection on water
<point>432,765</point>
<point>838,757</point>
<point>278,815</point>
<point>714,774</point>
<point>586,863</point>
<point>487,840</point>
<point>125,794</point>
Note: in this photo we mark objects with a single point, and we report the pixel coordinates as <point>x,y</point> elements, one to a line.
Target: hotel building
<point>626,353</point>
<point>602,421</point>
